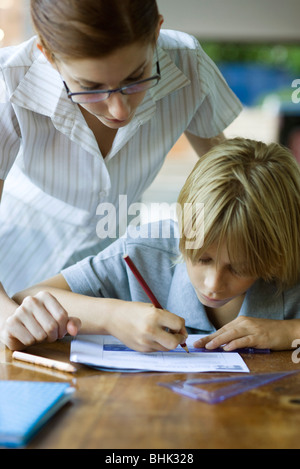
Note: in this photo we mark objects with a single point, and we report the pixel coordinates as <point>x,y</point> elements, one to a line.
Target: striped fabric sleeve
<point>220,105</point>
<point>9,132</point>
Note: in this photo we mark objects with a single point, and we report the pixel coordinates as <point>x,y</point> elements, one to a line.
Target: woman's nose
<point>118,106</point>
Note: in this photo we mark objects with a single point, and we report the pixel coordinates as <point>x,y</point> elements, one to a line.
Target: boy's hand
<point>145,328</point>
<point>251,332</point>
<point>39,318</point>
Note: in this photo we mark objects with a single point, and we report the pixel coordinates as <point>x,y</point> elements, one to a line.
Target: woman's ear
<point>46,53</point>
<point>159,25</point>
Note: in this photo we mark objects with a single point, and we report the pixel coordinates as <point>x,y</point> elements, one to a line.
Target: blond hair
<point>251,196</point>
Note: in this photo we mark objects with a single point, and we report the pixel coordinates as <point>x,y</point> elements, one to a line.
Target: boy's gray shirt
<point>154,250</point>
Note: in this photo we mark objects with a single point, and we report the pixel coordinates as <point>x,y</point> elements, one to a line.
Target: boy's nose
<point>214,281</point>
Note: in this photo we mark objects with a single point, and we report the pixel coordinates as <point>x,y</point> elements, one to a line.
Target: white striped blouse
<point>57,184</point>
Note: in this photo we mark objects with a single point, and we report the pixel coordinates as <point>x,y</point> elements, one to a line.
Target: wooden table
<point>130,411</point>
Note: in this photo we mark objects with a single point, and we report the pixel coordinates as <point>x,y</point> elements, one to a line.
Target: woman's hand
<point>39,318</point>
<point>145,328</point>
<point>252,332</point>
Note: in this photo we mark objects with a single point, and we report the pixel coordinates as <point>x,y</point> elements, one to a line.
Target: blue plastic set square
<point>230,386</point>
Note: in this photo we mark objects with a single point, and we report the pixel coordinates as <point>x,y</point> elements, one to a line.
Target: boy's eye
<point>239,273</point>
<point>204,261</point>
<point>234,272</point>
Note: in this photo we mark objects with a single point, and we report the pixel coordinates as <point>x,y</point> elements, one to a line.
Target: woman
<point>89,110</point>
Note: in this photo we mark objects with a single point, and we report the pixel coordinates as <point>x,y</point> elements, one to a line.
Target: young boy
<point>237,280</point>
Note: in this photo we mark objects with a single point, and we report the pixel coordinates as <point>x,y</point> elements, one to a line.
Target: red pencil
<point>146,288</point>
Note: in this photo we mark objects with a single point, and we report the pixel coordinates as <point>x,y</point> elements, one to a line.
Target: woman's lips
<point>115,121</point>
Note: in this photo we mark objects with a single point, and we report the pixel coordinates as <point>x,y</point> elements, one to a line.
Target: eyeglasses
<point>101,95</point>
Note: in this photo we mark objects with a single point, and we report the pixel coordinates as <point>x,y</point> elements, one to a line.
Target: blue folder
<point>25,406</point>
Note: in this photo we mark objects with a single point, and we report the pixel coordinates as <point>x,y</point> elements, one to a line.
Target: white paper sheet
<point>107,352</point>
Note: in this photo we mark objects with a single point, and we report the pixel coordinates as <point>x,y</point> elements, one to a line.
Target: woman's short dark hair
<point>74,29</point>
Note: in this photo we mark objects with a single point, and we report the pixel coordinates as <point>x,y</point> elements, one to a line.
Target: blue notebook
<point>25,406</point>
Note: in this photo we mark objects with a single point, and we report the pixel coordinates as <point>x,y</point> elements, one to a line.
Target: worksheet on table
<point>107,352</point>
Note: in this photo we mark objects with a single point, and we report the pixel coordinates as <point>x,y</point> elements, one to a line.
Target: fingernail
<point>210,345</point>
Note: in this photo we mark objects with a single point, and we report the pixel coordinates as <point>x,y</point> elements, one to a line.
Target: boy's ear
<point>46,53</point>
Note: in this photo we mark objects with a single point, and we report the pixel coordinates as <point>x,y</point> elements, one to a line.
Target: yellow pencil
<point>47,362</point>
